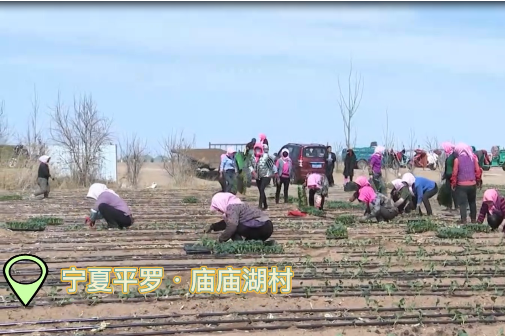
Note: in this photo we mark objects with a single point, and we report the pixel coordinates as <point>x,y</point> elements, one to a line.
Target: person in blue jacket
<point>423,190</point>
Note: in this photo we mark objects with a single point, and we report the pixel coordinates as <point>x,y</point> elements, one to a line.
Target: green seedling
<point>25,226</point>
<point>241,247</point>
<point>347,220</point>
<point>312,211</point>
<point>337,231</point>
<point>47,220</point>
<point>454,233</point>
<point>420,226</point>
<point>190,200</point>
<point>11,198</point>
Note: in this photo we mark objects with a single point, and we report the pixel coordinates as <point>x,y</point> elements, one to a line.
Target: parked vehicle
<point>495,159</point>
<point>363,155</point>
<point>423,159</point>
<point>306,158</point>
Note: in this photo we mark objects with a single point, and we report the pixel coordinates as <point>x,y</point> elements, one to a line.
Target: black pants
<point>284,182</point>
<point>426,200</point>
<point>467,196</point>
<point>244,232</point>
<point>312,194</point>
<point>494,220</point>
<point>114,217</point>
<point>229,180</point>
<point>329,176</point>
<point>222,182</point>
<point>262,183</point>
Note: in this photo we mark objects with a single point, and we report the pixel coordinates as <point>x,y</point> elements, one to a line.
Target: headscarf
<point>221,200</point>
<point>44,158</point>
<point>366,194</point>
<point>379,150</point>
<point>258,154</point>
<point>262,137</point>
<point>230,151</point>
<point>265,149</point>
<point>97,189</point>
<point>313,180</point>
<point>410,180</point>
<point>490,195</point>
<point>448,148</point>
<point>285,158</point>
<point>462,149</point>
<point>397,184</point>
<point>362,181</point>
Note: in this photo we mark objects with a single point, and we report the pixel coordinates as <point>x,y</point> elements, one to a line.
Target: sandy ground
<point>329,274</point>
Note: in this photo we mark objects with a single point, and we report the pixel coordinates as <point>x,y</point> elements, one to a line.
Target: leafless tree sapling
<point>34,139</point>
<point>82,132</point>
<point>175,160</point>
<point>412,148</point>
<point>349,102</point>
<point>337,149</point>
<point>4,124</point>
<point>133,150</point>
<point>389,142</point>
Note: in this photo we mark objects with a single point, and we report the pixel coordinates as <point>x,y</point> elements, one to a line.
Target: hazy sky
<point>437,69</point>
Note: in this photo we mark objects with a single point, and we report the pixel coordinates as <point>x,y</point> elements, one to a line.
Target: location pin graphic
<point>25,292</point>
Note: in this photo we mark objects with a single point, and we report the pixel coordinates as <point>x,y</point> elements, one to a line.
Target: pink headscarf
<point>362,181</point>
<point>366,194</point>
<point>448,148</point>
<point>258,154</point>
<point>398,184</point>
<point>230,151</point>
<point>462,149</point>
<point>220,201</point>
<point>313,181</point>
<point>262,138</point>
<point>379,150</point>
<point>490,195</point>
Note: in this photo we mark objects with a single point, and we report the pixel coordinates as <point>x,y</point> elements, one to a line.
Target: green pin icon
<point>25,292</point>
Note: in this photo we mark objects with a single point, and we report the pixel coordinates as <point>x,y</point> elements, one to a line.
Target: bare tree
<point>133,149</point>
<point>338,147</point>
<point>175,159</point>
<point>412,148</point>
<point>389,142</point>
<point>349,103</point>
<point>4,124</point>
<point>82,132</point>
<point>34,138</point>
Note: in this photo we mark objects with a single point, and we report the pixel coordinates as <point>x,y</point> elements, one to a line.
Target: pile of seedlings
<point>190,200</point>
<point>347,220</point>
<point>312,211</point>
<point>241,247</point>
<point>420,226</point>
<point>454,233</point>
<point>26,226</point>
<point>11,198</point>
<point>47,220</point>
<point>478,228</point>
<point>337,231</point>
<point>342,205</point>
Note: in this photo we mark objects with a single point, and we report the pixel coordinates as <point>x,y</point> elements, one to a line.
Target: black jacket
<point>44,171</point>
<point>349,163</point>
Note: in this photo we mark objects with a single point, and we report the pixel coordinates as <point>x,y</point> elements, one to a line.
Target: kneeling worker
<point>108,206</point>
<point>240,219</point>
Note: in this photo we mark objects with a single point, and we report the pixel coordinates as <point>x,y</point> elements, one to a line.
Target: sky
<point>227,72</point>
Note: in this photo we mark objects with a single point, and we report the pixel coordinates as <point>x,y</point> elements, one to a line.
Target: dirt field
<point>379,281</point>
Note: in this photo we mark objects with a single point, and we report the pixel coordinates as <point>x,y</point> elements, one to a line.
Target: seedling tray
<point>270,243</point>
<point>196,249</point>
